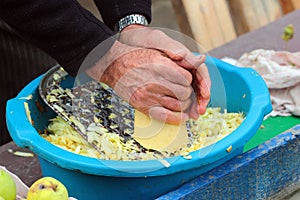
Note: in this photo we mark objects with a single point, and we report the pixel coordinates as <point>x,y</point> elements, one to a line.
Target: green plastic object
<point>270,128</point>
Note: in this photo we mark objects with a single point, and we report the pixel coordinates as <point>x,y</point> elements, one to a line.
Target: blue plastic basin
<point>89,178</point>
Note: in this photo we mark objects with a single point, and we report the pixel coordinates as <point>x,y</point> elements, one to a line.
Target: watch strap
<point>131,19</point>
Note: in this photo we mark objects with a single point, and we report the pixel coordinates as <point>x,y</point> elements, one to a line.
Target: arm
<point>67,32</point>
<point>62,28</point>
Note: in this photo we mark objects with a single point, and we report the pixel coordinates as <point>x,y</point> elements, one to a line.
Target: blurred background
<point>214,22</point>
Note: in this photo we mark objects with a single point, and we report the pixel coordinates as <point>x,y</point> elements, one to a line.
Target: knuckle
<point>186,104</point>
<point>182,52</point>
<point>137,97</point>
<point>184,93</point>
<point>189,78</point>
<point>158,33</point>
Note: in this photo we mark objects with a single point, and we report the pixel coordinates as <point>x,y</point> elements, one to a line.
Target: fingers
<point>191,61</point>
<point>204,84</point>
<point>172,72</point>
<point>194,110</point>
<point>149,63</point>
<point>202,106</point>
<point>182,56</point>
<point>163,79</point>
<point>204,80</point>
<point>179,53</point>
<point>175,104</point>
<point>164,108</point>
<point>171,90</point>
<point>151,95</point>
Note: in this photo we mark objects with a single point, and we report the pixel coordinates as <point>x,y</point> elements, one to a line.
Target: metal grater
<point>86,104</point>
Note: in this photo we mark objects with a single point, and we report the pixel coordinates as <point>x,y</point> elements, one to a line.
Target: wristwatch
<point>129,20</point>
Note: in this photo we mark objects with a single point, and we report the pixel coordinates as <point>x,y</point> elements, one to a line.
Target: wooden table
<point>268,37</point>
<point>27,169</point>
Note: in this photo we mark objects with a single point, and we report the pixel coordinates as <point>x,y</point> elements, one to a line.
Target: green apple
<point>47,188</point>
<point>8,190</point>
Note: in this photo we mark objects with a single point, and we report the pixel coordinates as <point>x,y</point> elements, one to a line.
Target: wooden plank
<point>286,6</point>
<point>207,10</point>
<point>227,27</point>
<point>260,13</point>
<point>273,9</point>
<point>254,13</point>
<point>289,5</point>
<point>210,22</point>
<point>181,17</point>
<point>238,16</point>
<point>249,15</point>
<point>198,24</point>
<point>186,28</point>
<point>296,4</point>
<point>195,20</point>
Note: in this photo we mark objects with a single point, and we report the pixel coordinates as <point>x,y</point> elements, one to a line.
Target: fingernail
<point>201,110</point>
<point>200,57</point>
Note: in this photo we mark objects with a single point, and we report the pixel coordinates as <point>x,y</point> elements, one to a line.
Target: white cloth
<point>281,72</point>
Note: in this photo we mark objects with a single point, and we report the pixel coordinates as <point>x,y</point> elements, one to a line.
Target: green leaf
<point>288,32</point>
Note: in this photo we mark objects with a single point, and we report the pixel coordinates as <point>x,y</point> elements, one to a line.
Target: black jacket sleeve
<point>62,28</point>
<point>113,10</point>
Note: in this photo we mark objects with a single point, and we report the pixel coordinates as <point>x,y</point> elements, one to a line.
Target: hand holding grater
<point>90,105</point>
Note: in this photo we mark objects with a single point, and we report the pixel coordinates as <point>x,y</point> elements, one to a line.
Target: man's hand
<point>149,80</point>
<point>140,36</point>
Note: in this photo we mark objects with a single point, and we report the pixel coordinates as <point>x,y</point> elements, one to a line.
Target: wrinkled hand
<point>140,36</point>
<point>149,80</point>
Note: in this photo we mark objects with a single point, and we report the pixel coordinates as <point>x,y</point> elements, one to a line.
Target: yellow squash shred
<point>208,129</point>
